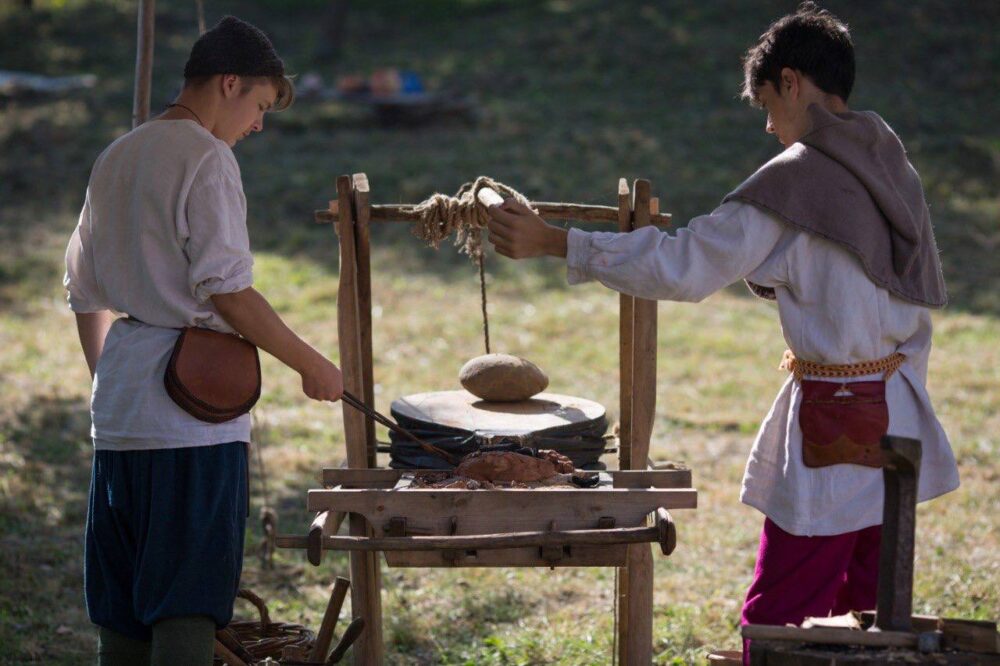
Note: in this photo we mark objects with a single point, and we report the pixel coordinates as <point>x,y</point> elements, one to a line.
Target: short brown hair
<point>813,41</point>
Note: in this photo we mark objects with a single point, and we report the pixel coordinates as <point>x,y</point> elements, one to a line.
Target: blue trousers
<point>165,531</point>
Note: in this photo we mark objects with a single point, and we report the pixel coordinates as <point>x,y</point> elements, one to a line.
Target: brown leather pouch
<point>843,422</point>
<point>213,376</point>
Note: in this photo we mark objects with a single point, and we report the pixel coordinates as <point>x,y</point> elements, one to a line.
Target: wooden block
<point>970,635</point>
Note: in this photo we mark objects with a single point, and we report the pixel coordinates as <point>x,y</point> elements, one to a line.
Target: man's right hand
<point>322,380</point>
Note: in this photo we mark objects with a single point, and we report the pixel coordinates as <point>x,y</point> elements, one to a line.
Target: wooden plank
<point>145,32</point>
<point>362,209</point>
<point>827,636</point>
<point>366,597</point>
<point>546,210</point>
<point>481,511</point>
<point>362,478</point>
<point>677,478</point>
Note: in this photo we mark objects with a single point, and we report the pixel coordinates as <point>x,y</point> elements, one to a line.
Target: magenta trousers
<point>798,576</point>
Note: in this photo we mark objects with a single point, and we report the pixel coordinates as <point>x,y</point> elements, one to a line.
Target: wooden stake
<point>625,308</point>
<point>362,238</point>
<point>366,598</point>
<point>644,351</point>
<point>146,24</point>
<point>321,648</point>
<point>636,581</point>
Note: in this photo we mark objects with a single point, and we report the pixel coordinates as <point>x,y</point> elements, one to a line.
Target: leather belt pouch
<point>213,376</point>
<point>843,422</point>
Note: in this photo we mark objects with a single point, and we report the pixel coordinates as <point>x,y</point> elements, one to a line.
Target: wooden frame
<point>352,214</point>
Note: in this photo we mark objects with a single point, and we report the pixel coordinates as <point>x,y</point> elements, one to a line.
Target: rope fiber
<point>442,215</point>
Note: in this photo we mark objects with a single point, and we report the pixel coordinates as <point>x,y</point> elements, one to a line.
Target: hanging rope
<point>442,215</point>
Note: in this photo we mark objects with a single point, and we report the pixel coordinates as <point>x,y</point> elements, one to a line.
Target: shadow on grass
<point>45,477</point>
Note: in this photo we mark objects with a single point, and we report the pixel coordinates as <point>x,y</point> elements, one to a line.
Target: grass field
<point>571,95</point>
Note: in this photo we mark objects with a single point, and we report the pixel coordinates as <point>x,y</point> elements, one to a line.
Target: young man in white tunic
<point>162,238</point>
<point>836,230</point>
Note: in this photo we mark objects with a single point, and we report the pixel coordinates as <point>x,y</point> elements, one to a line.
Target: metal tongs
<point>395,427</point>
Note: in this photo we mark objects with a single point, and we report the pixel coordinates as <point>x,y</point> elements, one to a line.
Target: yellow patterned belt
<point>800,368</point>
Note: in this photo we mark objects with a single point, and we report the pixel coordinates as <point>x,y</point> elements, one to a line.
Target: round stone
<point>502,378</point>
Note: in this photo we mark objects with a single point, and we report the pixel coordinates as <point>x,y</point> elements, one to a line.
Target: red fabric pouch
<point>843,422</point>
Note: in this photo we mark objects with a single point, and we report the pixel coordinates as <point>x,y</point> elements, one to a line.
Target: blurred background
<point>558,99</point>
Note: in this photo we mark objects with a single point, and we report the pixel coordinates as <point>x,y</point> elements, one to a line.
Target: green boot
<point>114,649</point>
<point>183,640</point>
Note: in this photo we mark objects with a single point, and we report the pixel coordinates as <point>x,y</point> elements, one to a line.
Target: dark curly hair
<point>813,41</point>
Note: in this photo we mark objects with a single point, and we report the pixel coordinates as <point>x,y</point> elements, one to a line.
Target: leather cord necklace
<point>188,109</point>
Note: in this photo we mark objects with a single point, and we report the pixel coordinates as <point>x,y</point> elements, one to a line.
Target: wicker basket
<point>260,639</point>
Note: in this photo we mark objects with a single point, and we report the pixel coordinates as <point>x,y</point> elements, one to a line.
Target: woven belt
<point>800,368</point>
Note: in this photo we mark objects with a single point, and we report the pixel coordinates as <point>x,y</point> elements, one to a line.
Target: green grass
<point>572,95</point>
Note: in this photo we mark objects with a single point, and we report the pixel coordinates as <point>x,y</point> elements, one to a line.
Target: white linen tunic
<point>162,229</point>
<point>830,312</point>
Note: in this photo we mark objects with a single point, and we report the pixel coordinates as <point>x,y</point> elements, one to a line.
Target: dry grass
<point>716,378</point>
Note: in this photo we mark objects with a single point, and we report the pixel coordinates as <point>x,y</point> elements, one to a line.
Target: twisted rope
<point>463,215</point>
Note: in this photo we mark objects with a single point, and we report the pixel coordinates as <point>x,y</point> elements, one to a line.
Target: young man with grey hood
<point>836,230</point>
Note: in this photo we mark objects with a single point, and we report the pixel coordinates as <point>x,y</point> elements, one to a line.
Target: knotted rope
<point>442,215</point>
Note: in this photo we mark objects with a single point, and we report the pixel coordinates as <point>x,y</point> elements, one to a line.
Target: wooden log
<point>366,597</point>
<point>324,638</point>
<point>570,212</point>
<point>145,31</point>
<point>498,541</point>
<point>362,207</point>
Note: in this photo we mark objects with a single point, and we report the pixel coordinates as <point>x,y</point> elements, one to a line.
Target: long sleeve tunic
<point>830,312</point>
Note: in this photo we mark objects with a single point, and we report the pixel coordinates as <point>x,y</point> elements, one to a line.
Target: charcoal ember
<point>506,466</point>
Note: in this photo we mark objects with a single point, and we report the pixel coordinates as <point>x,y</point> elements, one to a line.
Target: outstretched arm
<point>249,313</point>
<point>711,252</point>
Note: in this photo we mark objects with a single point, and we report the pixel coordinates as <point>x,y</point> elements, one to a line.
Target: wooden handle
<point>325,635</point>
<point>666,531</point>
<point>314,549</point>
<point>592,537</point>
<point>351,634</point>
<point>226,655</point>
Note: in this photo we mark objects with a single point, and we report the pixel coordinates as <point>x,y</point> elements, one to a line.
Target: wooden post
<point>625,306</point>
<point>366,587</point>
<point>363,209</point>
<point>145,22</point>
<point>644,349</point>
<point>635,647</point>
